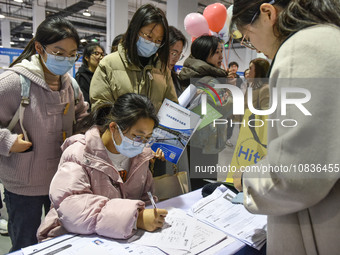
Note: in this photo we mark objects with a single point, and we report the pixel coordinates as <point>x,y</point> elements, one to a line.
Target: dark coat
<point>83,77</point>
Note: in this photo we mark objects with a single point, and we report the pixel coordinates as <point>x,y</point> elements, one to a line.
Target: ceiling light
<point>21,39</point>
<point>83,40</point>
<point>94,40</point>
<point>87,13</point>
<point>12,43</point>
<point>19,1</point>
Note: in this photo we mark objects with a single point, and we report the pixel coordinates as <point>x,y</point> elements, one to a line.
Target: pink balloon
<point>216,15</point>
<point>196,25</point>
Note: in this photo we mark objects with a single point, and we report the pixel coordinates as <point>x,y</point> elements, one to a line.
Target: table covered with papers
<point>210,225</point>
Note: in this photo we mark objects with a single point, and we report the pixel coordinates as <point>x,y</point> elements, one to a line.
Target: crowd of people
<point>80,148</point>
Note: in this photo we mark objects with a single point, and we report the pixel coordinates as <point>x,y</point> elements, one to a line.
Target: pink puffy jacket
<point>88,195</point>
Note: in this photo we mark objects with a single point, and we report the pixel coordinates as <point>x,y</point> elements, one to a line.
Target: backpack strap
<point>76,90</point>
<point>25,100</point>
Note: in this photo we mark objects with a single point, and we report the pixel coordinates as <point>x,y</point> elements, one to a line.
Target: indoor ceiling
<point>93,27</point>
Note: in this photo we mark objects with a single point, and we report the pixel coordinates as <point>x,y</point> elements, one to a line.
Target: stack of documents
<point>233,219</point>
<point>182,234</point>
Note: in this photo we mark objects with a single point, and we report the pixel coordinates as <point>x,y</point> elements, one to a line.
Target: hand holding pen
<point>151,199</point>
<point>151,219</point>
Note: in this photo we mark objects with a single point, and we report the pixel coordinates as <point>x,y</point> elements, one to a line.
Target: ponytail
<point>97,117</point>
<point>26,54</point>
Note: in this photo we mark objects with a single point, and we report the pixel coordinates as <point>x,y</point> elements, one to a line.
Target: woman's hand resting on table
<point>151,219</point>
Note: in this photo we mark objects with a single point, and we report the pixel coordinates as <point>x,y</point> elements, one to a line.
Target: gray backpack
<point>25,100</point>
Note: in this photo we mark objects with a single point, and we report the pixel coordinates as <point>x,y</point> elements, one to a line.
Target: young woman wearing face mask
<point>302,38</point>
<point>28,165</point>
<point>93,53</point>
<point>140,64</point>
<point>103,177</point>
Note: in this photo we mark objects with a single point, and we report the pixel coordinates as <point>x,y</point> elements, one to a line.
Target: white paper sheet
<point>233,219</point>
<point>141,250</point>
<point>216,248</point>
<point>88,245</point>
<point>204,237</point>
<point>187,95</point>
<point>177,232</point>
<point>76,245</point>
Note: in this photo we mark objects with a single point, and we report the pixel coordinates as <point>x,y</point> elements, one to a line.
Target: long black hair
<point>295,16</point>
<point>145,15</point>
<point>125,111</point>
<point>51,30</point>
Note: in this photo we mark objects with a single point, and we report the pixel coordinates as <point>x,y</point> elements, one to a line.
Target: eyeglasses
<point>97,54</point>
<point>149,39</point>
<point>59,56</point>
<point>176,55</point>
<point>139,141</point>
<point>246,42</point>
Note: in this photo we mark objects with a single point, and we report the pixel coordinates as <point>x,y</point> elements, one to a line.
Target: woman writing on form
<point>103,177</point>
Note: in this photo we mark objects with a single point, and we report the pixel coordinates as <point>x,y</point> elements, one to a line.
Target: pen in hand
<point>151,219</point>
<point>151,199</point>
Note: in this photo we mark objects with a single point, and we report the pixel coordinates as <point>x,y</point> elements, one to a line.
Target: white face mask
<point>128,147</point>
<point>146,48</point>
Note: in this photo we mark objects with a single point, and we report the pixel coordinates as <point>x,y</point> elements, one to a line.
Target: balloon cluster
<point>215,21</point>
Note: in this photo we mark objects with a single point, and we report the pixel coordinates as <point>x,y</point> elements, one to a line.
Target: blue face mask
<point>146,48</point>
<point>59,67</point>
<point>128,147</point>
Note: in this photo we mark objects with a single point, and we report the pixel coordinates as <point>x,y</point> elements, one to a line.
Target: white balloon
<point>224,33</point>
<point>212,33</point>
<point>230,11</point>
<point>225,38</point>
